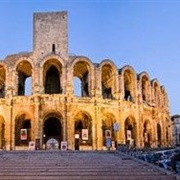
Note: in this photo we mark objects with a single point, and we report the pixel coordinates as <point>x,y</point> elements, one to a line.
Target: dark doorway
<point>159,135</point>
<point>22,126</point>
<point>52,81</point>
<point>78,129</point>
<point>52,129</point>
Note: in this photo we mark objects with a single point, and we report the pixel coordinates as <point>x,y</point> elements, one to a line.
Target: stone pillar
<point>8,126</point>
<point>38,122</point>
<point>69,129</point>
<point>98,124</point>
<point>121,132</point>
<point>94,133</point>
<point>37,82</point>
<point>65,122</point>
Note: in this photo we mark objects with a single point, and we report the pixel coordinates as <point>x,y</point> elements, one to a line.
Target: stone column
<point>38,122</point>
<point>8,126</point>
<point>69,129</point>
<point>65,121</point>
<point>98,125</point>
<point>121,132</point>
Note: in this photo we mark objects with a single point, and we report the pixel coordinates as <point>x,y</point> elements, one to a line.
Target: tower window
<point>53,48</point>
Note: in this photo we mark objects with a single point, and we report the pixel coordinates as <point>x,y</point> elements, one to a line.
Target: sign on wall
<point>128,134</point>
<point>76,136</point>
<point>31,145</point>
<point>116,126</point>
<point>63,145</point>
<point>84,134</point>
<point>108,134</point>
<point>23,134</point>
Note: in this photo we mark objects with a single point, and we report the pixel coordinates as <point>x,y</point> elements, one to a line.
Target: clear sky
<point>144,34</point>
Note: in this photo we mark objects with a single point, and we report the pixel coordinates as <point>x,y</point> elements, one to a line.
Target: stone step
<point>80,165</point>
<point>96,177</point>
<point>73,173</point>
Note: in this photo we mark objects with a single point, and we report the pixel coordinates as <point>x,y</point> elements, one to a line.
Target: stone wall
<point>52,109</point>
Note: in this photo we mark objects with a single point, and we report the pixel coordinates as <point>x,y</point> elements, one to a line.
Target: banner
<point>63,145</point>
<point>128,134</point>
<point>108,134</point>
<point>31,145</point>
<point>23,134</point>
<point>84,134</point>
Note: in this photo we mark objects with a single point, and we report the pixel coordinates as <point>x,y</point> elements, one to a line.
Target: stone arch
<point>129,81</point>
<point>145,86</point>
<point>164,99</point>
<point>2,132</point>
<point>147,133</point>
<point>130,131</point>
<point>83,122</point>
<point>156,92</point>
<point>82,69</point>
<point>23,129</point>
<point>52,76</point>
<point>108,120</point>
<point>24,71</point>
<point>2,80</point>
<point>108,79</point>
<point>52,127</point>
<point>54,58</point>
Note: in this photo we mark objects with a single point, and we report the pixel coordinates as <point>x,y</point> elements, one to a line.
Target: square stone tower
<point>50,34</point>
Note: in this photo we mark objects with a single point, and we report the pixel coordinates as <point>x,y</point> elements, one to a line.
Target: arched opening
<point>52,129</point>
<point>77,87</point>
<point>78,133</point>
<point>128,86</point>
<point>145,88</point>
<point>159,135</point>
<point>164,100</point>
<point>130,131</point>
<point>156,89</point>
<point>107,128</point>
<point>2,81</point>
<point>52,81</point>
<point>2,90</point>
<point>28,82</point>
<point>107,81</point>
<point>147,134</point>
<point>22,131</point>
<point>24,71</point>
<point>82,130</point>
<point>81,75</point>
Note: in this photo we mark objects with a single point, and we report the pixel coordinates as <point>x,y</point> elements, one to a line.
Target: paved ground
<point>52,165</point>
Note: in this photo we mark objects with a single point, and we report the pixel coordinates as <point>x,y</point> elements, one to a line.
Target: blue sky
<point>143,34</point>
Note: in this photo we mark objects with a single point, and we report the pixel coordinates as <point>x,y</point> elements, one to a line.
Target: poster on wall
<point>128,134</point>
<point>63,145</point>
<point>108,134</point>
<point>84,134</point>
<point>31,145</point>
<point>23,134</point>
<point>76,136</point>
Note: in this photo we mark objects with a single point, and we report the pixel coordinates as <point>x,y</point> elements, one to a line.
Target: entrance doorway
<point>52,130</point>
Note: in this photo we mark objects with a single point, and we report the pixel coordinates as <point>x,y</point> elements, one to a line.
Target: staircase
<point>71,165</point>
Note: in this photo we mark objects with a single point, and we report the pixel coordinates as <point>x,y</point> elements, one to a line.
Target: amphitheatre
<point>116,104</point>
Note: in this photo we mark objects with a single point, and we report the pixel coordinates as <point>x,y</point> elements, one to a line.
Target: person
<point>174,159</point>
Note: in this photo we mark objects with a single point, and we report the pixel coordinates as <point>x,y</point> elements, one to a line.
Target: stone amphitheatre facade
<point>118,102</point>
